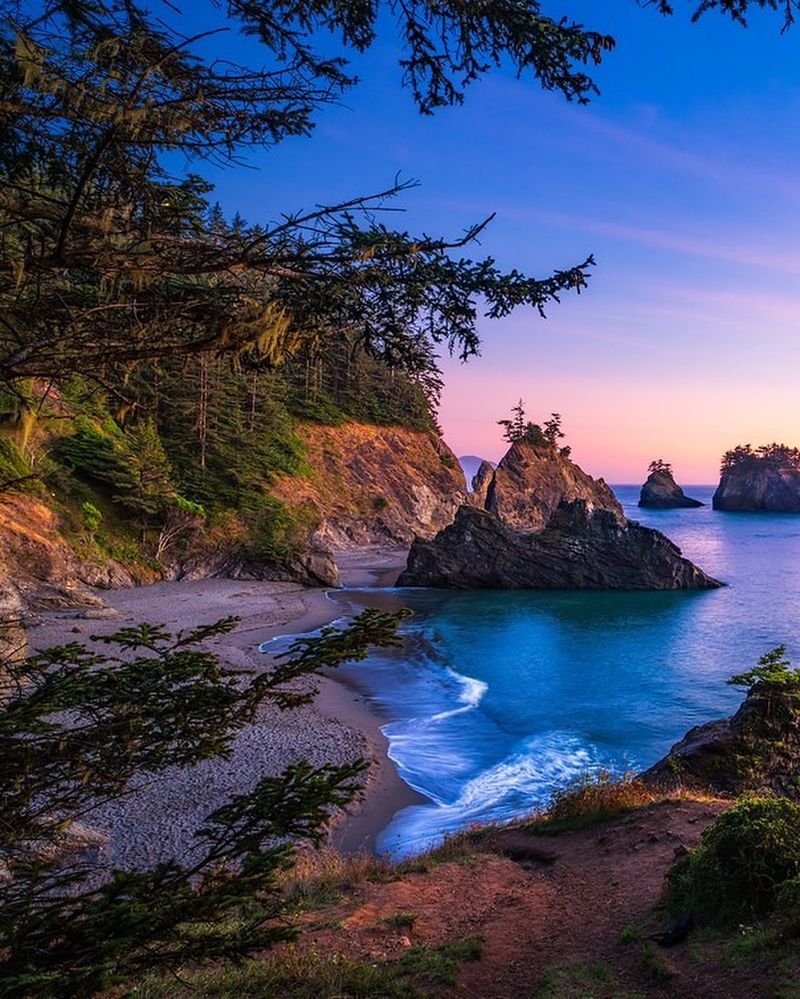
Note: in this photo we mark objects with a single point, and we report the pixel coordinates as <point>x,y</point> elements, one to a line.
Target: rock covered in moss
<point>757,749</point>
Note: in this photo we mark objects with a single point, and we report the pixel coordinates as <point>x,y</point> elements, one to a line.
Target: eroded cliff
<point>579,549</point>
<point>370,485</point>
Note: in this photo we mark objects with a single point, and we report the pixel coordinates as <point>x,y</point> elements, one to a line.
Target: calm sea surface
<point>498,699</point>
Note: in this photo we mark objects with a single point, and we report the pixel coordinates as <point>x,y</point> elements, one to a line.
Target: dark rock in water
<point>662,492</point>
<point>531,481</point>
<point>756,750</point>
<point>759,486</point>
<point>480,484</point>
<point>580,549</point>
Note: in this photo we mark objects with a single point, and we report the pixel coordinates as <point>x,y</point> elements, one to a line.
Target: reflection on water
<point>497,699</point>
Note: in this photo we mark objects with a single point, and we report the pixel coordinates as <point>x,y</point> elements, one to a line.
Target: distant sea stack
<point>481,481</point>
<point>662,492</point>
<point>546,524</point>
<point>764,479</point>
<point>470,465</point>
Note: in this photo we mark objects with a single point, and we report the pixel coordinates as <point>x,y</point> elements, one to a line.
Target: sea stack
<point>662,492</point>
<point>764,479</point>
<point>546,524</point>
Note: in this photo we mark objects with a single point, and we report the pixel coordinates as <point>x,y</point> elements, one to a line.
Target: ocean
<point>497,699</point>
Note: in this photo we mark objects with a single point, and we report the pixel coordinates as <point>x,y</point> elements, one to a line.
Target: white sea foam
<point>282,643</point>
<point>472,693</point>
<point>521,782</point>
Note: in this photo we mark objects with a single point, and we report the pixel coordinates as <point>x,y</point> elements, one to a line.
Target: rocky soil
<point>561,917</point>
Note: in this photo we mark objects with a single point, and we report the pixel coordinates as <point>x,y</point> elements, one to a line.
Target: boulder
<point>662,492</point>
<point>580,549</point>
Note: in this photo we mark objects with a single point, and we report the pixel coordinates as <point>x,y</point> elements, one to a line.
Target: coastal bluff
<point>662,492</point>
<point>547,524</point>
<point>764,479</point>
<point>373,485</point>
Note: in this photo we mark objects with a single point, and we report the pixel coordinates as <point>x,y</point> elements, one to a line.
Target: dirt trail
<point>561,900</point>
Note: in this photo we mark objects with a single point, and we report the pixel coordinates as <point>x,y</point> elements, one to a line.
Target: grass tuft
<point>592,799</point>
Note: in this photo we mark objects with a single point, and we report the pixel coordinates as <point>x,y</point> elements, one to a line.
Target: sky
<point>682,178</point>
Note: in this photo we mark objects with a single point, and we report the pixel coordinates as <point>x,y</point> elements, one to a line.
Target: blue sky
<point>682,178</point>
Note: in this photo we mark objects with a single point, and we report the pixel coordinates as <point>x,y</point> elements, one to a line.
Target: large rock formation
<point>756,750</point>
<point>765,480</point>
<point>480,484</point>
<point>662,492</point>
<point>531,482</point>
<point>546,524</point>
<point>580,549</point>
<point>374,485</point>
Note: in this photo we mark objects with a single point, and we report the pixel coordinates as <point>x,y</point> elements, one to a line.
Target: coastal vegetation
<point>159,364</point>
<point>80,728</point>
<point>779,456</point>
<point>519,430</point>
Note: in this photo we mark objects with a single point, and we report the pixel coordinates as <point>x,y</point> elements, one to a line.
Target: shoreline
<point>340,725</point>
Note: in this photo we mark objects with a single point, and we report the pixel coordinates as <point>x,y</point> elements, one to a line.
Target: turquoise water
<point>498,699</point>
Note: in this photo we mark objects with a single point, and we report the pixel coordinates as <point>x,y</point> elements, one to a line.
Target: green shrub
<point>743,862</point>
<point>400,920</point>
<point>788,907</point>
<point>380,503</point>
<point>92,518</point>
<point>13,464</point>
<point>773,669</point>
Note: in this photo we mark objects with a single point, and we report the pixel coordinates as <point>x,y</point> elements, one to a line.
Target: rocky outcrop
<point>481,481</point>
<point>756,750</point>
<point>662,492</point>
<point>39,570</point>
<point>580,548</point>
<point>531,482</point>
<point>470,463</point>
<point>371,485</point>
<point>313,566</point>
<point>756,485</point>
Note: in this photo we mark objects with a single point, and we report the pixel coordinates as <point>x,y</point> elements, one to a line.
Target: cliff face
<point>38,569</point>
<point>579,549</point>
<point>758,486</point>
<point>662,492</point>
<point>530,483</point>
<point>374,485</point>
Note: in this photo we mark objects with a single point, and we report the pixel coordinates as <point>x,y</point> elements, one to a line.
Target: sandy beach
<point>158,821</point>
